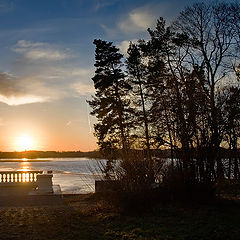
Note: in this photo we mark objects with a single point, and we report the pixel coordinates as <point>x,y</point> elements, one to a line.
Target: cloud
<point>111,31</point>
<point>82,72</point>
<point>83,88</point>
<point>39,51</point>
<point>138,20</point>
<point>83,84</point>
<point>70,122</point>
<point>20,100</point>
<point>45,87</point>
<point>13,91</point>
<point>41,75</point>
<point>135,22</point>
<point>99,4</point>
<point>124,45</point>
<point>45,54</point>
<point>29,44</point>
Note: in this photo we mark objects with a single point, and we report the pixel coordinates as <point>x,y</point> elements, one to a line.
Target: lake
<point>74,175</point>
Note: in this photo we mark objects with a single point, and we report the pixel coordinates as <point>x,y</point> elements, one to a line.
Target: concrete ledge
<point>16,189</point>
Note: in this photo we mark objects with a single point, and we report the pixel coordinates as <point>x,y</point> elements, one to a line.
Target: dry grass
<point>88,217</point>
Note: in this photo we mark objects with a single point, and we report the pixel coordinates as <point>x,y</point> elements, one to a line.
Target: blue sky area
<point>47,59</point>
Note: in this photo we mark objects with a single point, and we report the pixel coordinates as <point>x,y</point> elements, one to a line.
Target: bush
<point>143,184</point>
<point>179,185</point>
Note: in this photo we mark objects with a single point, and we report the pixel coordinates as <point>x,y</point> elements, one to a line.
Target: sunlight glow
<point>24,166</point>
<point>24,142</point>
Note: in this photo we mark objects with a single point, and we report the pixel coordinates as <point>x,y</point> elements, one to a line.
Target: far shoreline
<point>32,155</point>
<point>23,160</point>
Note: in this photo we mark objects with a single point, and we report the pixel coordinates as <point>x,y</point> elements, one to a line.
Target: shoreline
<point>22,160</point>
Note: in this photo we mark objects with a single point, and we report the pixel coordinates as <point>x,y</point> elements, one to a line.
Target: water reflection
<point>74,175</point>
<point>24,166</point>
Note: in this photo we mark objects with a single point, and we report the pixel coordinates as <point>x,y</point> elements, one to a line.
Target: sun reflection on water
<point>24,166</point>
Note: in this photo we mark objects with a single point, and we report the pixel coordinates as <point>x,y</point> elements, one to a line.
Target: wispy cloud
<point>82,72</point>
<point>70,122</point>
<point>103,3</point>
<point>138,20</point>
<point>20,100</point>
<point>134,23</point>
<point>83,88</point>
<point>50,86</point>
<point>13,91</point>
<point>41,74</point>
<point>39,51</point>
<point>83,84</point>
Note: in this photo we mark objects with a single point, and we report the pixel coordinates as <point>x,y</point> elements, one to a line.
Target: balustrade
<point>18,176</point>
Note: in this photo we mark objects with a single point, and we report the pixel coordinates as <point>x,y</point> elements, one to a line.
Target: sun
<point>24,142</point>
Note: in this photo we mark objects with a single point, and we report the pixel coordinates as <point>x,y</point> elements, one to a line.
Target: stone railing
<point>17,177</point>
<point>33,182</point>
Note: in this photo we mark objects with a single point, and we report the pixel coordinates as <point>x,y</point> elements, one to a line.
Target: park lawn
<point>87,219</point>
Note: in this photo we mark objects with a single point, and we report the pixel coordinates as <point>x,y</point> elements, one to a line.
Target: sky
<point>46,65</point>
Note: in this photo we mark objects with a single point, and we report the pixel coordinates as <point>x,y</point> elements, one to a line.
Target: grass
<point>89,218</point>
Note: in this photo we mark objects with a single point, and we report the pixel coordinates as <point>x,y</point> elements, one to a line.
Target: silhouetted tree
<point>212,44</point>
<point>110,104</point>
<point>230,99</point>
<point>136,71</point>
<point>183,85</point>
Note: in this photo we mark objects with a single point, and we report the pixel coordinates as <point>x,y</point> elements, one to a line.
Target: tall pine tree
<point>110,104</point>
<point>137,79</point>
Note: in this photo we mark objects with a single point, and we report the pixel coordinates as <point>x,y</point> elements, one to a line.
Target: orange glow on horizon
<point>37,138</point>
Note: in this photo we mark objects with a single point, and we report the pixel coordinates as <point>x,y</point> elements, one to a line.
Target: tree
<point>230,100</point>
<point>110,104</point>
<point>199,53</point>
<point>177,82</point>
<point>136,71</point>
<point>212,31</point>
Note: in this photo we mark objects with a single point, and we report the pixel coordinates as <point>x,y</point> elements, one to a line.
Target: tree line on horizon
<point>32,154</point>
<point>179,90</point>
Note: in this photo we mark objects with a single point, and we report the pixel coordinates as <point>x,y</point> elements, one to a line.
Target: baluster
<point>27,177</point>
<point>31,177</point>
<point>16,177</point>
<point>24,177</point>
<point>8,177</point>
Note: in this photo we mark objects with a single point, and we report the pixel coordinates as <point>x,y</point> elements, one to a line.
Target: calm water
<point>74,175</point>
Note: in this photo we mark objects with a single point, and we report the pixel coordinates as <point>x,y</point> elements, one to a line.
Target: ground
<point>85,217</point>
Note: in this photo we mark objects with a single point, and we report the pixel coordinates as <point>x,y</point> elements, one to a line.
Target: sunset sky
<point>46,65</point>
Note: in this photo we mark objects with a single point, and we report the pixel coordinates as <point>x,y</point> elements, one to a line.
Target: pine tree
<point>137,79</point>
<point>110,104</point>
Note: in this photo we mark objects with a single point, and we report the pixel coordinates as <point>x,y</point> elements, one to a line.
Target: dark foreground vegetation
<point>89,218</point>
